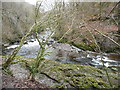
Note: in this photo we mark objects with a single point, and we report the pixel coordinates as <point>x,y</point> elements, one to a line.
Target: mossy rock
<point>77,76</point>
<point>83,46</point>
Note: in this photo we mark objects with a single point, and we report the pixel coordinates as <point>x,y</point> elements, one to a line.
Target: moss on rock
<point>84,46</point>
<point>77,76</point>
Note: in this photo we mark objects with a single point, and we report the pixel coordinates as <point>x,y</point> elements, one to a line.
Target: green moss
<point>58,86</point>
<point>64,40</point>
<point>78,76</point>
<point>56,37</point>
<point>83,45</point>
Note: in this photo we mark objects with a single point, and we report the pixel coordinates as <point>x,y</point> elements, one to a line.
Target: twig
<point>113,8</point>
<point>50,77</point>
<point>63,35</point>
<point>108,37</point>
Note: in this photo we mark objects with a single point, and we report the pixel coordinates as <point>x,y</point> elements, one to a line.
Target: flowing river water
<point>65,53</point>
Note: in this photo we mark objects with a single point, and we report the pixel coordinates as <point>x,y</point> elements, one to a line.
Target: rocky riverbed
<point>67,61</point>
<point>65,53</point>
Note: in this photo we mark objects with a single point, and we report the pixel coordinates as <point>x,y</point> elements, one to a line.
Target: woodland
<point>72,45</point>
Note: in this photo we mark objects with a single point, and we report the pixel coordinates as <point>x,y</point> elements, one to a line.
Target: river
<point>65,53</point>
